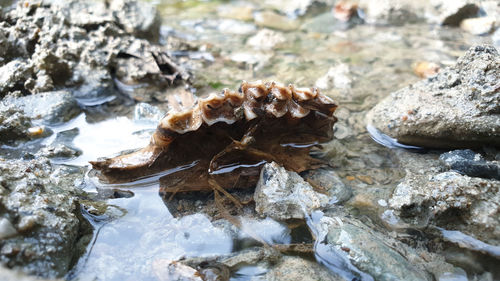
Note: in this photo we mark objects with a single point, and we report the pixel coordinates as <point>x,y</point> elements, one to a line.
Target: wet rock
<point>393,12</point>
<point>450,200</point>
<point>59,151</point>
<point>472,164</point>
<point>14,124</point>
<point>327,180</point>
<point>266,39</point>
<point>283,195</point>
<point>299,269</point>
<point>337,77</point>
<point>458,107</point>
<point>324,23</point>
<point>274,20</point>
<point>452,12</point>
<point>377,254</point>
<point>40,202</point>
<point>50,107</point>
<point>148,113</point>
<point>479,26</point>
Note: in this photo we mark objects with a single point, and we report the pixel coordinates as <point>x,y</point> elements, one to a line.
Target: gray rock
<point>452,12</point>
<point>266,39</point>
<point>282,195</point>
<point>458,107</point>
<point>448,198</point>
<point>393,12</point>
<point>51,107</point>
<point>299,269</point>
<point>14,275</point>
<point>40,202</point>
<point>377,254</point>
<point>14,124</point>
<point>13,75</point>
<point>471,164</point>
<point>138,18</point>
<point>78,45</point>
<point>327,180</point>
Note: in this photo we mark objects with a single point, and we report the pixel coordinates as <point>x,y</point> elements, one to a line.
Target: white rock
<point>6,229</point>
<point>337,76</point>
<point>479,26</point>
<point>282,195</point>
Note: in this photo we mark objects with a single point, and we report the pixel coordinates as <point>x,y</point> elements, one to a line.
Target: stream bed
<point>131,232</point>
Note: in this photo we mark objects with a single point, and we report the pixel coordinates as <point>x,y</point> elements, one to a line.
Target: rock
<point>391,12</point>
<point>42,201</point>
<point>452,12</point>
<point>99,42</point>
<point>337,76</point>
<point>459,107</point>
<point>147,113</point>
<point>425,69</point>
<point>479,26</point>
<point>242,12</point>
<point>472,164</point>
<point>450,200</point>
<point>13,74</point>
<point>14,124</point>
<point>299,269</point>
<point>294,8</point>
<point>373,252</point>
<point>51,107</point>
<point>324,23</point>
<point>14,275</point>
<point>6,229</point>
<point>274,20</point>
<point>138,18</point>
<point>283,195</point>
<point>266,39</point>
<point>327,180</point>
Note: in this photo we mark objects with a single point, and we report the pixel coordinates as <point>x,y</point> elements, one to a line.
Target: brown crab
<point>221,141</point>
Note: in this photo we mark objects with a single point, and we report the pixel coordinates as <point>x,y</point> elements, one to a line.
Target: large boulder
<point>458,107</point>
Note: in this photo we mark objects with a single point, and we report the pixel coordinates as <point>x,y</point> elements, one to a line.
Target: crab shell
<point>229,111</point>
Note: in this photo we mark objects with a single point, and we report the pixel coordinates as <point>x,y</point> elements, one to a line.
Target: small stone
<point>469,163</point>
<point>479,26</point>
<point>425,69</point>
<point>7,230</point>
<point>243,13</point>
<point>283,195</point>
<point>266,39</point>
<point>337,76</point>
<point>274,20</point>
<point>345,9</point>
<point>327,180</point>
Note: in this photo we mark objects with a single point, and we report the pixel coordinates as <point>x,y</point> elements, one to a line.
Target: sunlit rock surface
<point>459,107</point>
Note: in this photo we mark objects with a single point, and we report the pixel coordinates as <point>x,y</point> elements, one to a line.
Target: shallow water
<point>134,232</point>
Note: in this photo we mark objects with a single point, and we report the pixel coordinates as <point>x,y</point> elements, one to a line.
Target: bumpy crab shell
<point>227,137</point>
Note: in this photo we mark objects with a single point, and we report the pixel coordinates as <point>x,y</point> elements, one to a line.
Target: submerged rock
<point>459,107</point>
<point>379,256</point>
<point>299,269</point>
<point>283,195</point>
<point>39,203</point>
<point>50,107</point>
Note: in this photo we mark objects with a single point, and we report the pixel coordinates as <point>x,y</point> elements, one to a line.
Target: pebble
<point>479,26</point>
<point>6,229</point>
<point>274,20</point>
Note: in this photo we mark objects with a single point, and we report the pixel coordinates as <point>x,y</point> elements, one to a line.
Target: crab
<point>221,142</point>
